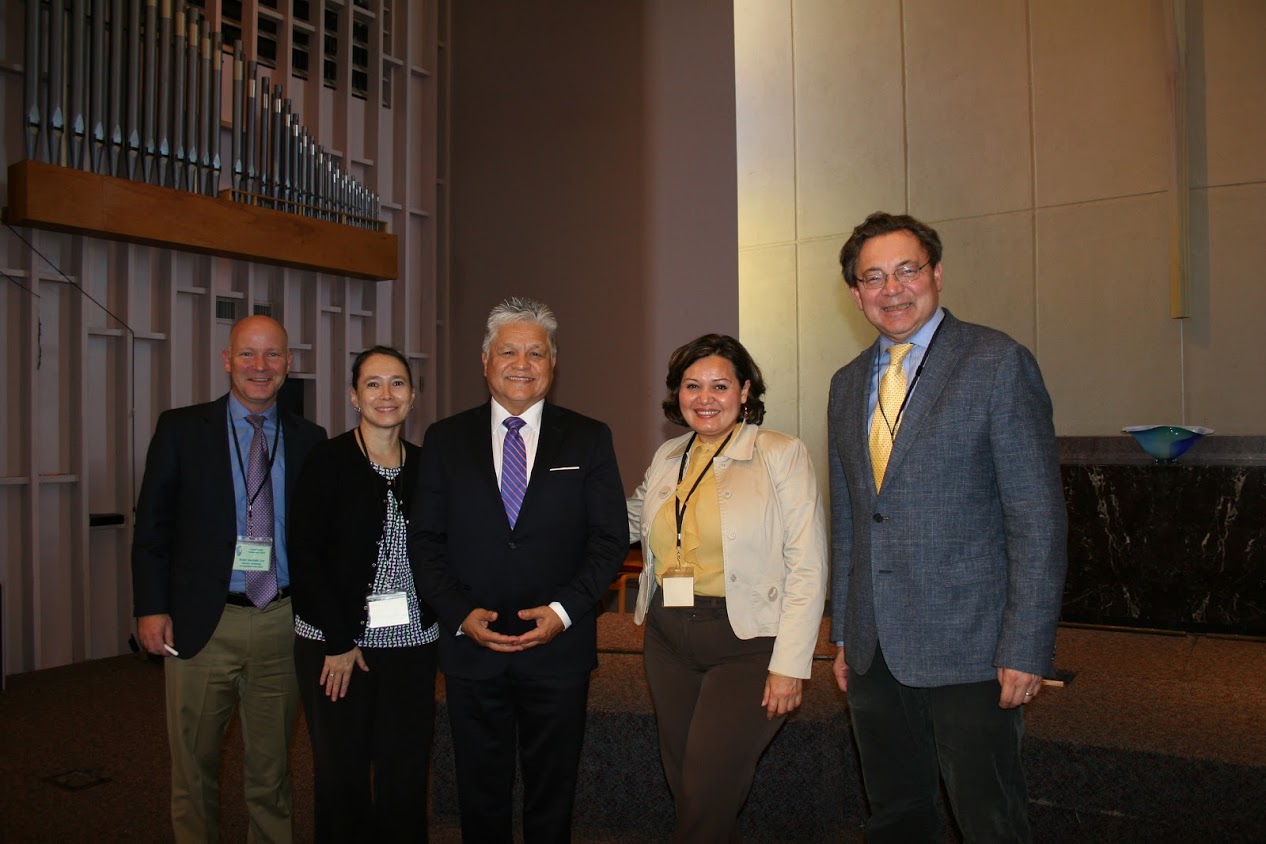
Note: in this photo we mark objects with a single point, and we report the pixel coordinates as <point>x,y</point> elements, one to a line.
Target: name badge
<point>253,553</point>
<point>388,609</point>
<point>679,587</point>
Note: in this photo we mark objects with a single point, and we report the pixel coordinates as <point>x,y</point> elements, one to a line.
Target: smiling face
<point>382,392</point>
<point>897,310</point>
<point>518,366</point>
<point>257,361</point>
<point>710,397</point>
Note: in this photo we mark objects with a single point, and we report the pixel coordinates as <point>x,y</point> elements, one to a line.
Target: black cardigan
<point>336,523</point>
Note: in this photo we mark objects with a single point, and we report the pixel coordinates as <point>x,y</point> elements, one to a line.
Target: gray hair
<point>521,309</point>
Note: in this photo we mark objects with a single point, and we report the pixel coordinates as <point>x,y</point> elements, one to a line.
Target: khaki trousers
<point>247,665</point>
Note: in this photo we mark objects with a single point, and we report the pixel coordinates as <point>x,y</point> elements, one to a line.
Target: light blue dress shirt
<point>911,363</point>
<point>244,432</point>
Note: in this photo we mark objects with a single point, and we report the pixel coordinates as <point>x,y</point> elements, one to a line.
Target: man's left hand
<point>548,625</point>
<point>1018,687</point>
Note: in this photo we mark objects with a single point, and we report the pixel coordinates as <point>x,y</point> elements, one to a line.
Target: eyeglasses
<point>904,274</point>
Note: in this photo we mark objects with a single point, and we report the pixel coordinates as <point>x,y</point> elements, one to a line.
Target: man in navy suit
<point>202,529</point>
<point>518,529</point>
<point>949,537</point>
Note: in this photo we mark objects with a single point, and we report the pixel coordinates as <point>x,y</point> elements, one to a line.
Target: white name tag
<point>388,609</point>
<point>679,587</point>
<point>253,553</point>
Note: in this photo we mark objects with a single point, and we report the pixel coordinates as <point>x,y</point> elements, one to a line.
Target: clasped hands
<point>548,625</point>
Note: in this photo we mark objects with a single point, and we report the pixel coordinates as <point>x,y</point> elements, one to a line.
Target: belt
<point>239,599</point>
<point>702,602</point>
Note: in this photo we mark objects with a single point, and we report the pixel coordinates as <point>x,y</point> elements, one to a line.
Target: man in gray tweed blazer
<point>949,558</point>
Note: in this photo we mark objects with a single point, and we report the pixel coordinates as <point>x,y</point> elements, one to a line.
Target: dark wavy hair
<point>725,346</point>
<point>881,223</point>
<point>380,350</point>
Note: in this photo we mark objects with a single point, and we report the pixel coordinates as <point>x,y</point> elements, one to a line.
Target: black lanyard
<point>364,450</point>
<point>879,406</point>
<point>679,504</point>
<point>250,499</point>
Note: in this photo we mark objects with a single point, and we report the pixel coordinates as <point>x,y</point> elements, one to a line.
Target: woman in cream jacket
<point>734,541</point>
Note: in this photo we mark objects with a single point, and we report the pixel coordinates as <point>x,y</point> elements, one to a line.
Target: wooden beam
<point>46,196</point>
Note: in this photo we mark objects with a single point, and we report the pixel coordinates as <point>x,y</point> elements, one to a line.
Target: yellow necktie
<point>883,428</point>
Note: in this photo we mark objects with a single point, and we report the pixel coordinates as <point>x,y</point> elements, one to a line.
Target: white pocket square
<point>564,468</point>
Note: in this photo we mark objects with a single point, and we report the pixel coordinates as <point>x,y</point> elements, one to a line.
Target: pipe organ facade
<point>321,112</point>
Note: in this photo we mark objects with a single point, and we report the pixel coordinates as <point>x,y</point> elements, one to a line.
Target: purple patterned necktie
<point>261,586</point>
<point>513,469</point>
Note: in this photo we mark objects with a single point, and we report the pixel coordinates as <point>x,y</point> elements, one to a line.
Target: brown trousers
<point>707,686</point>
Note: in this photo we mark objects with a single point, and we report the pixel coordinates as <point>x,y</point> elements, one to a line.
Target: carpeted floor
<point>1156,738</point>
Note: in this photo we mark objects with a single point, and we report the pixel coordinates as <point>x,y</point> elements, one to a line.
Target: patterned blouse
<point>391,574</point>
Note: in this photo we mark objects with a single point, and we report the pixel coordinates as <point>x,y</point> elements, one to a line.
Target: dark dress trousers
<point>386,721</point>
<point>567,545</point>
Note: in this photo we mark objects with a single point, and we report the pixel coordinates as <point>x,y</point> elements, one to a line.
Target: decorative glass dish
<point>1166,443</point>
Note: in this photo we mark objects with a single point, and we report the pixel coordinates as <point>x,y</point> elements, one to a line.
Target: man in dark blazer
<point>516,592</point>
<point>189,589</point>
<point>949,560</point>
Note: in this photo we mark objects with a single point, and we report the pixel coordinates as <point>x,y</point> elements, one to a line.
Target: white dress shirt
<point>530,432</point>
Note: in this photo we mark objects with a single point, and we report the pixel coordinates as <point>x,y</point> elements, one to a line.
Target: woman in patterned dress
<point>364,644</point>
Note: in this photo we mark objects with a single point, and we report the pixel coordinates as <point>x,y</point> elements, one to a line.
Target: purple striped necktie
<point>513,469</point>
<point>261,586</point>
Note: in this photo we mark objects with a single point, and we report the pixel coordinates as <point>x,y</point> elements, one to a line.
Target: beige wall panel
<point>16,544</point>
<point>765,117</point>
<point>150,382</point>
<point>55,389</point>
<point>850,157</point>
<point>769,328</point>
<point>189,331</point>
<point>967,107</point>
<point>54,586</point>
<point>1101,119</point>
<point>1109,350</point>
<point>988,275</point>
<point>106,374</point>
<point>832,332</point>
<point>1233,92</point>
<point>15,321</point>
<point>109,582</point>
<point>1225,365</point>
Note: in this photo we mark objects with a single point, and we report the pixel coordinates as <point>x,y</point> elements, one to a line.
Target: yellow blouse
<point>700,527</point>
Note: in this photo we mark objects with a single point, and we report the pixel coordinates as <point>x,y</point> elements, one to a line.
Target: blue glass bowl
<point>1166,443</point>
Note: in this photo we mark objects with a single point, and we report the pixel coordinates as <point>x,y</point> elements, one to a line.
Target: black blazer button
<point>878,517</point>
<point>513,546</point>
